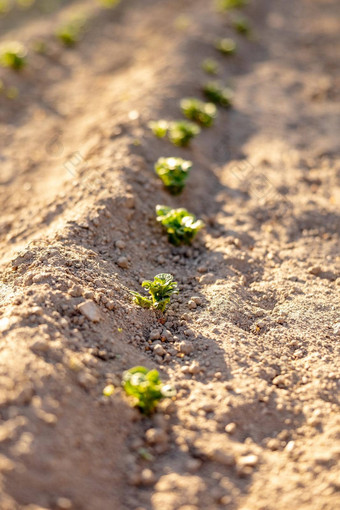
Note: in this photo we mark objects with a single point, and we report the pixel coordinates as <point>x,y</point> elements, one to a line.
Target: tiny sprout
<point>70,33</point>
<point>109,4</point>
<point>146,388</point>
<point>108,390</point>
<point>14,55</point>
<point>160,289</point>
<point>181,132</point>
<point>173,172</point>
<point>218,94</point>
<point>203,113</point>
<point>159,128</point>
<point>226,46</point>
<point>241,25</point>
<point>180,225</point>
<point>210,66</point>
<point>225,5</point>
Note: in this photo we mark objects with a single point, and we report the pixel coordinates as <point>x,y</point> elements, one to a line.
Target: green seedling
<point>226,5</point>
<point>160,289</point>
<point>159,128</point>
<point>241,25</point>
<point>180,225</point>
<point>217,94</point>
<point>174,173</point>
<point>181,132</point>
<point>70,33</point>
<point>226,46</point>
<point>109,4</point>
<point>210,66</point>
<point>13,55</point>
<point>146,388</point>
<point>203,113</point>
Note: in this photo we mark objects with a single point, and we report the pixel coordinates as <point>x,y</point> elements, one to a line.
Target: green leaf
<point>173,172</point>
<point>180,225</point>
<point>218,94</point>
<point>203,113</point>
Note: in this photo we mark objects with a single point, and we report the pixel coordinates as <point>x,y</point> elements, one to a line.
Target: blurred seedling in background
<point>109,4</point>
<point>160,289</point>
<point>181,132</point>
<point>217,94</point>
<point>159,128</point>
<point>226,45</point>
<point>180,225</point>
<point>146,388</point>
<point>203,113</point>
<point>174,173</point>
<point>241,25</point>
<point>39,46</point>
<point>13,55</point>
<point>226,5</point>
<point>210,66</point>
<point>71,32</point>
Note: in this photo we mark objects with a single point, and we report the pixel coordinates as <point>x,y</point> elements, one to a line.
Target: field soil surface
<point>251,342</point>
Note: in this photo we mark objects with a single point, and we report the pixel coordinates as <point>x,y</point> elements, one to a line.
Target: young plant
<point>173,172</point>
<point>181,132</point>
<point>241,25</point>
<point>203,113</point>
<point>109,4</point>
<point>146,388</point>
<point>210,66</point>
<point>180,225</point>
<point>226,46</point>
<point>160,289</point>
<point>13,55</point>
<point>159,128</point>
<point>226,5</point>
<point>218,94</point>
<point>70,33</point>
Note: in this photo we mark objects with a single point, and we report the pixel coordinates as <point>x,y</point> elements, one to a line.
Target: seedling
<point>109,4</point>
<point>226,46</point>
<point>226,5</point>
<point>241,25</point>
<point>70,33</point>
<point>218,94</point>
<point>210,66</point>
<point>181,132</point>
<point>180,225</point>
<point>159,128</point>
<point>13,55</point>
<point>160,289</point>
<point>203,113</point>
<point>173,172</point>
<point>146,388</point>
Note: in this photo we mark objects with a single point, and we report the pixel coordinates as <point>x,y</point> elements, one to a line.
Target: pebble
<point>315,270</point>
<point>155,436</point>
<point>123,262</point>
<point>90,310</point>
<point>194,368</point>
<point>248,461</point>
<point>120,244</point>
<point>64,504</point>
<point>147,477</point>
<point>155,335</point>
<point>186,348</point>
<point>110,305</point>
<point>159,350</point>
<point>192,305</point>
<point>221,457</point>
<point>196,300</point>
<point>207,278</point>
<point>230,428</point>
<point>76,291</point>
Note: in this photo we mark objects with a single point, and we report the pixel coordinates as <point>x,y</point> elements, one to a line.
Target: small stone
<point>222,458</point>
<point>90,310</point>
<point>159,350</point>
<point>274,444</point>
<point>194,368</point>
<point>315,270</point>
<point>147,477</point>
<point>192,305</point>
<point>155,335</point>
<point>196,300</point>
<point>230,428</point>
<point>248,461</point>
<point>110,305</point>
<point>186,348</point>
<point>120,244</point>
<point>40,346</point>
<point>64,504</point>
<point>76,291</point>
<point>123,262</point>
<point>207,278</point>
<point>156,436</point>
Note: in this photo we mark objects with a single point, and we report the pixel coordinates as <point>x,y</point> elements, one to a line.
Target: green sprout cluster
<point>13,55</point>
<point>146,388</point>
<point>198,111</point>
<point>217,94</point>
<point>226,45</point>
<point>210,66</point>
<point>174,173</point>
<point>179,132</point>
<point>226,5</point>
<point>180,225</point>
<point>160,289</point>
<point>70,33</point>
<point>241,25</point>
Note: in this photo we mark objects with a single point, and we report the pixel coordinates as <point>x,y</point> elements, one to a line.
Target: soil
<point>251,343</point>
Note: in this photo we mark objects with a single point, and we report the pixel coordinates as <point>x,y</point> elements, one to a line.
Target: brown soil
<point>255,424</point>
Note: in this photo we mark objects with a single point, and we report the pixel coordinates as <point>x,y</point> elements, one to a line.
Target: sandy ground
<point>256,424</point>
